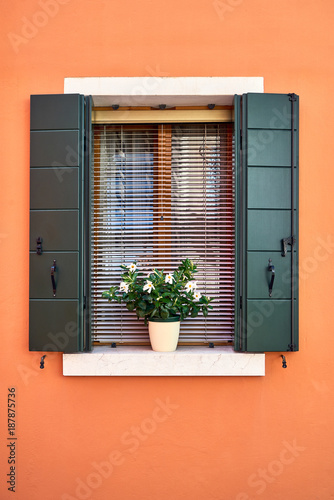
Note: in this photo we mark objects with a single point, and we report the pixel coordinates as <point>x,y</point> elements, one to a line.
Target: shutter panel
<point>56,223</point>
<point>267,222</point>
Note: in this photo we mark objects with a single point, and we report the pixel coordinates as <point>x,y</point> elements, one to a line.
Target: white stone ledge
<point>155,90</point>
<point>164,85</point>
<point>142,361</point>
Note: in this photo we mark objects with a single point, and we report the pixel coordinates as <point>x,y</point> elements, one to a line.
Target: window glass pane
<point>162,193</point>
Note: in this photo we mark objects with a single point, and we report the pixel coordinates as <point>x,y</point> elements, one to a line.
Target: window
<point>162,193</point>
<point>266,181</point>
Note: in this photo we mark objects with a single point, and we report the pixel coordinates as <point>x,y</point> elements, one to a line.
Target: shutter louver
<point>161,193</point>
<point>267,222</point>
<point>56,294</point>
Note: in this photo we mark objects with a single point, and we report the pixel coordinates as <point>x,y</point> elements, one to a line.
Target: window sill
<point>142,361</point>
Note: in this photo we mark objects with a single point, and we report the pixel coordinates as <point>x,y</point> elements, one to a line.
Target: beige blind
<point>162,193</point>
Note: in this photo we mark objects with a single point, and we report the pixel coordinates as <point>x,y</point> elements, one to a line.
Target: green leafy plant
<point>160,295</point>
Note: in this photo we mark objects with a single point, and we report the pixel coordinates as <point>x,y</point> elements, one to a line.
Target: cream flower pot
<point>164,333</point>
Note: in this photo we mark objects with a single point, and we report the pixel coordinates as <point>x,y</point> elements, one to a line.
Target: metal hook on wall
<point>284,365</point>
<point>42,362</point>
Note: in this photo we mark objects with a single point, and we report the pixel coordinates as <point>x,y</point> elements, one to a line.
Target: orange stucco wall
<point>159,438</point>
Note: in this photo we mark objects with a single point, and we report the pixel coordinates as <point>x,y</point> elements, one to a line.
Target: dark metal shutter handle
<point>271,269</point>
<point>53,281</point>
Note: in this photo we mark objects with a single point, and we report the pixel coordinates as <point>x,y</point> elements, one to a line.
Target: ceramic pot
<point>164,333</point>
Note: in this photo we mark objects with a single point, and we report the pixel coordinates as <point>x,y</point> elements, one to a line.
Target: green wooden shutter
<point>56,314</point>
<point>266,222</point>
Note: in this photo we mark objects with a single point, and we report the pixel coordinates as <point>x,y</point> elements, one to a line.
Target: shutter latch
<point>285,242</point>
<point>39,246</point>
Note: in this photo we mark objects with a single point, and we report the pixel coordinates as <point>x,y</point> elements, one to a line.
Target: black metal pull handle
<point>53,281</point>
<point>271,269</point>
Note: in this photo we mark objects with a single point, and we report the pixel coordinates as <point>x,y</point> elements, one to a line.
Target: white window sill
<point>142,361</point>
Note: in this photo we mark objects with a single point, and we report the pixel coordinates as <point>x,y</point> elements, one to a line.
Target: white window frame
<point>141,360</point>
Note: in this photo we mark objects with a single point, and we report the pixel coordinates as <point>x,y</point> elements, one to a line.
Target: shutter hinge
<point>240,139</point>
<point>291,347</point>
<point>292,97</point>
<point>240,302</point>
<point>85,302</point>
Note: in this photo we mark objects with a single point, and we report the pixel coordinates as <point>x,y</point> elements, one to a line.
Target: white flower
<point>197,296</point>
<point>149,286</point>
<point>169,279</point>
<point>132,267</point>
<point>124,287</point>
<point>190,286</point>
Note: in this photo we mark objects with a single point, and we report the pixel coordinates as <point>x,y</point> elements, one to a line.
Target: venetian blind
<point>162,193</point>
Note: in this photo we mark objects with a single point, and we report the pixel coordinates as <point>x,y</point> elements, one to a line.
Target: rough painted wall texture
<point>160,438</point>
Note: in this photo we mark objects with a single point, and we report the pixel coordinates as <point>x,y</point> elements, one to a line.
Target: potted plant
<point>161,299</point>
